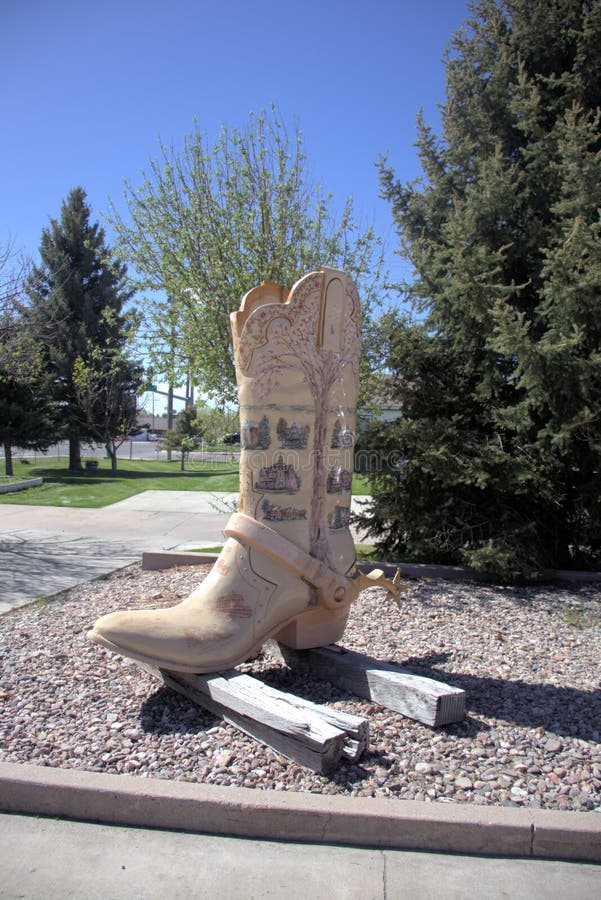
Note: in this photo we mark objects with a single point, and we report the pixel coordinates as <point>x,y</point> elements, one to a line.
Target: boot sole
<point>181,667</point>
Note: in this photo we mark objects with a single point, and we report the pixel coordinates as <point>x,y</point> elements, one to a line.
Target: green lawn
<point>100,488</point>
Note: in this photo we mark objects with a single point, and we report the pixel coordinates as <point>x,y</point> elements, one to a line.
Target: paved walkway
<point>47,549</point>
<point>51,859</point>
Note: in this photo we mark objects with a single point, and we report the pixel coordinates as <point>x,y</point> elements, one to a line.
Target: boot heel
<point>315,628</point>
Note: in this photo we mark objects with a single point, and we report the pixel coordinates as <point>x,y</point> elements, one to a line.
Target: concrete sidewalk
<point>49,859</point>
<point>47,549</point>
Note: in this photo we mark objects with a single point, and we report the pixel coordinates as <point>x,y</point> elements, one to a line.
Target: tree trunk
<point>8,458</point>
<point>170,417</point>
<point>182,461</point>
<point>318,529</point>
<point>111,452</point>
<point>75,454</point>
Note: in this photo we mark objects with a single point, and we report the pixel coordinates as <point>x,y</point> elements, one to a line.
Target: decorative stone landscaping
<point>528,659</point>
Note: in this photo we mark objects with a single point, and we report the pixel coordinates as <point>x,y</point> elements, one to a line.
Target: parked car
<point>232,438</point>
<point>144,436</point>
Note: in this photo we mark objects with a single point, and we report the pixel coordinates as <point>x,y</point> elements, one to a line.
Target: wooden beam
<point>423,699</point>
<point>315,736</point>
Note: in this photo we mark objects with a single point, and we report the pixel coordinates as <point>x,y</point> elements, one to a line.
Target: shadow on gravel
<point>166,712</point>
<point>563,710</point>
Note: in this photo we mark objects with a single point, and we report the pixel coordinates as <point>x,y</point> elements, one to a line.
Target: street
<point>128,450</point>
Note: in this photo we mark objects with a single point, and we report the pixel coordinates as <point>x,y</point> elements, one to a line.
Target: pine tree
<point>337,435</point>
<point>500,377</point>
<point>282,430</point>
<point>77,296</point>
<point>264,439</point>
<point>28,417</point>
<point>27,414</point>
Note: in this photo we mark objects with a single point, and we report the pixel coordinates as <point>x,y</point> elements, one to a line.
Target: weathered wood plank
<point>356,728</point>
<point>423,699</point>
<point>319,756</point>
<point>312,735</point>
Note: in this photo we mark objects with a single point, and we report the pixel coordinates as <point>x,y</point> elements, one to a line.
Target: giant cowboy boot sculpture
<point>287,570</point>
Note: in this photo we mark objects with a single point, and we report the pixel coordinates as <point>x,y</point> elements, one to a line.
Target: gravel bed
<point>527,657</point>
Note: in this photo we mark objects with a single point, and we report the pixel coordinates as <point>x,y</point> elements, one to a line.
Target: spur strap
<point>333,589</point>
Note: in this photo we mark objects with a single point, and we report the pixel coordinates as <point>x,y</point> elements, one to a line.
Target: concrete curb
<point>166,559</point>
<point>153,560</point>
<point>290,816</point>
<point>12,487</point>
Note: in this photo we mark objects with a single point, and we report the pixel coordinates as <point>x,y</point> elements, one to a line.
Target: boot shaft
<point>297,363</point>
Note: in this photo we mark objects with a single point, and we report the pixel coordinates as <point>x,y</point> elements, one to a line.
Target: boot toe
<point>128,631</point>
<point>171,638</point>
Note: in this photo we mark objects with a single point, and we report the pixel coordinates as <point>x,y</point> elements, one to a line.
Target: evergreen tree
<point>28,418</point>
<point>282,430</point>
<point>337,435</point>
<point>264,438</point>
<point>186,435</point>
<point>500,376</point>
<point>77,297</point>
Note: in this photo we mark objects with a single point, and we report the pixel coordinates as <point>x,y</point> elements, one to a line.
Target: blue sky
<point>88,89</point>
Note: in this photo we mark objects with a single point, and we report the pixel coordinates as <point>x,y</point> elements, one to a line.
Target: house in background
<point>382,409</point>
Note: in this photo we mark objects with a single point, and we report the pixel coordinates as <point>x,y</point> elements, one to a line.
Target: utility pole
<point>171,371</point>
<point>169,414</point>
<point>189,390</point>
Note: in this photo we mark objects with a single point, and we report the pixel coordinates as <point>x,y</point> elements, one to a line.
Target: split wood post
<point>315,736</point>
<point>423,699</point>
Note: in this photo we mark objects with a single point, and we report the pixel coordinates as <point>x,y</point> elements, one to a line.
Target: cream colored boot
<point>287,569</point>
